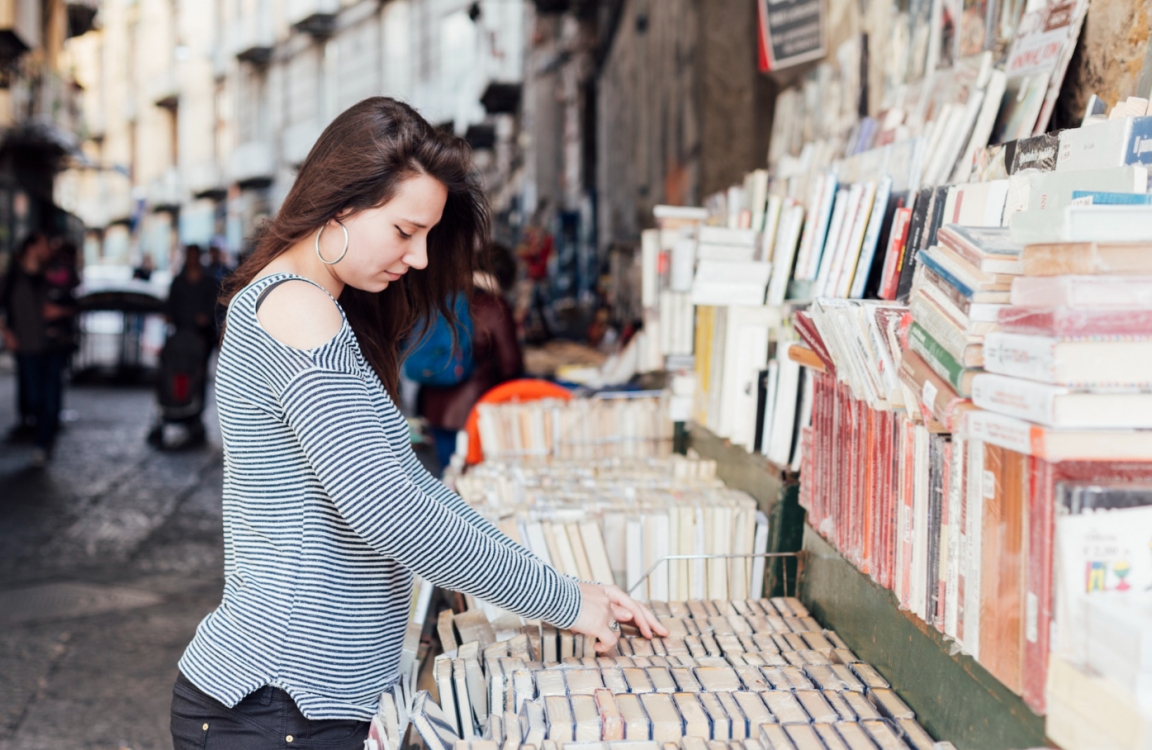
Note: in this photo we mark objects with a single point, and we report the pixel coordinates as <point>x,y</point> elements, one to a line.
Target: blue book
<point>1100,198</point>
<point>935,266</point>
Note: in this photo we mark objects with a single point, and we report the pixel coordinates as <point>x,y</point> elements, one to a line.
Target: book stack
<point>625,425</point>
<point>958,289</point>
<point>760,673</point>
<point>615,521</point>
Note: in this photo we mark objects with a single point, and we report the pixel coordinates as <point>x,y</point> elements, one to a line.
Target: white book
<point>770,388</point>
<point>432,724</point>
<point>759,545</point>
<point>771,226</point>
<point>682,265</point>
<point>791,222</point>
<point>656,549</point>
<point>463,704</point>
<point>831,237</point>
<point>561,549</point>
<point>634,546</point>
<point>957,137</point>
<point>805,416</point>
<point>649,266</point>
<point>1050,191</point>
<point>534,533</point>
<point>784,418</point>
<point>745,347</point>
<point>871,239</point>
<point>1058,406</point>
<point>722,545</point>
<point>616,545</point>
<point>814,205</point>
<point>446,689</point>
<point>1089,223</point>
<point>920,502</point>
<point>699,570</point>
<point>845,266</point>
<point>730,253</point>
<point>1081,362</point>
<point>838,240</point>
<point>711,235</point>
<point>752,354</point>
<point>956,537</point>
<point>985,122</point>
<point>1094,146</point>
<point>597,553</point>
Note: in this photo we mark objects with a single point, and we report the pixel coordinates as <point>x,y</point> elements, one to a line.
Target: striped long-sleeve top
<point>327,516</point>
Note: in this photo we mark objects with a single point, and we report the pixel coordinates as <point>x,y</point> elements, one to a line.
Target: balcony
<point>164,90</point>
<point>298,141</point>
<point>253,40</point>
<point>253,164</point>
<point>314,17</point>
<point>501,98</point>
<point>164,192</point>
<point>205,179</point>
<point>81,16</point>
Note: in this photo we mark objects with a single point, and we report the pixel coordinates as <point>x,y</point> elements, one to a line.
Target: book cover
<point>1037,152</point>
<point>1099,361</point>
<point>1057,406</point>
<point>916,230</point>
<point>941,361</point>
<point>894,254</point>
<point>1083,292</point>
<point>1070,321</point>
<point>1087,258</point>
<point>1053,444</point>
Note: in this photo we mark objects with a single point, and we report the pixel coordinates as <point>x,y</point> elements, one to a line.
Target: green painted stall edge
<point>953,696</point>
<point>774,489</point>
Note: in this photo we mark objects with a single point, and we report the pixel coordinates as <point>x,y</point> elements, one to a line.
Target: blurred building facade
<point>40,121</point>
<point>198,112</point>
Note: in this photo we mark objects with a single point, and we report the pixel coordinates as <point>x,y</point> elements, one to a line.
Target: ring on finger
<point>614,626</point>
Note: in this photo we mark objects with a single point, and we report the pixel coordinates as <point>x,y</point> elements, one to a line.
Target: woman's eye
<point>403,235</point>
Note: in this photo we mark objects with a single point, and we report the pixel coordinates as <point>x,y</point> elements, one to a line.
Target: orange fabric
<point>525,389</point>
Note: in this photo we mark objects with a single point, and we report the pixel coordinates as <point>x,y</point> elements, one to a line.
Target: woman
<point>327,513</point>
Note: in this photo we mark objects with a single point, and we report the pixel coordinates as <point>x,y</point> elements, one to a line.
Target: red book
<point>894,255</point>
<point>1043,477</point>
<point>1068,321</point>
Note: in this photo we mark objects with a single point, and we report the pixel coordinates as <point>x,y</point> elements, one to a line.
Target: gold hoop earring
<point>342,254</point>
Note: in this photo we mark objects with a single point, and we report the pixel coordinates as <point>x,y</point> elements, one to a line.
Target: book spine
<point>1005,432</point>
<point>1035,402</point>
<point>940,327</point>
<point>1038,585</point>
<point>1029,357</point>
<point>894,257</point>
<point>937,357</point>
<point>947,276</point>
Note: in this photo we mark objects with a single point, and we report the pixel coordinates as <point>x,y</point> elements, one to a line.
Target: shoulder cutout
<point>299,314</point>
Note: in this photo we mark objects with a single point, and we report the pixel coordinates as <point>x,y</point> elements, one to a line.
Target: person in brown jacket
<point>495,349</point>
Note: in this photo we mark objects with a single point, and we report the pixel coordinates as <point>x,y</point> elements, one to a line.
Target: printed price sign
<point>791,32</point>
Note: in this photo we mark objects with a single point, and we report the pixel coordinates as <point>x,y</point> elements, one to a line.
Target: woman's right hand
<point>602,605</point>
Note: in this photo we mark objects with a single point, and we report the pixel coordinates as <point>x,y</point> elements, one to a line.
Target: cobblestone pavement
<point>108,560</point>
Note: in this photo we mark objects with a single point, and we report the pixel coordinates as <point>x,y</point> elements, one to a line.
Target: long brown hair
<point>358,163</point>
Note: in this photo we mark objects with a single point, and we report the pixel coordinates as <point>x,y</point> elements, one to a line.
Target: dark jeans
<point>42,376</point>
<point>267,718</point>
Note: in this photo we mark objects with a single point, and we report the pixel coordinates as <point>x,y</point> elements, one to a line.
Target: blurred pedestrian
<point>495,353</point>
<point>328,513</point>
<point>218,266</point>
<point>535,252</point>
<point>143,272</point>
<point>191,314</point>
<point>37,329</point>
